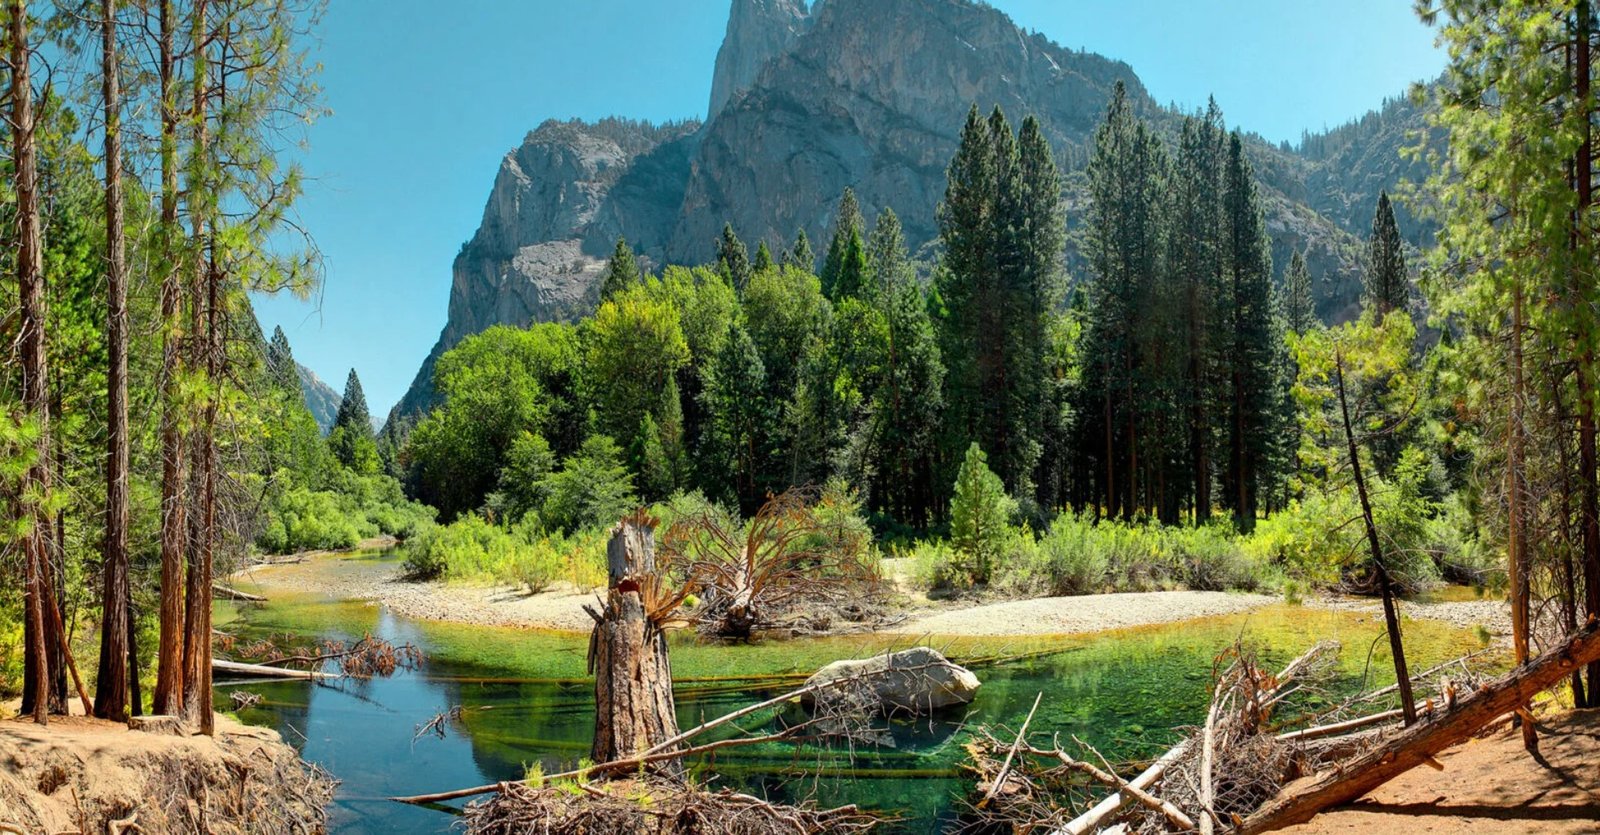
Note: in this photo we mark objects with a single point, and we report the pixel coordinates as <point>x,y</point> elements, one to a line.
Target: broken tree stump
<point>633,703</point>
<point>1421,741</point>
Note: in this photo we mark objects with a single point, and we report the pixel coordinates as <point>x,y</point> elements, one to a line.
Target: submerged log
<point>232,593</point>
<point>633,703</point>
<point>263,671</point>
<point>1420,742</point>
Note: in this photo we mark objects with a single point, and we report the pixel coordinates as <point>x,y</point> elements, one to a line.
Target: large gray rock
<point>758,31</point>
<point>918,680</point>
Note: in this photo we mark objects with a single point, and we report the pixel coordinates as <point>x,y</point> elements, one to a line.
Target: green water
<point>526,699</point>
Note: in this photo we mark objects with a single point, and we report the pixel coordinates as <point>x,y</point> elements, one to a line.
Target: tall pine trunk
<point>111,686</point>
<point>197,585</point>
<point>30,292</point>
<point>1589,507</point>
<point>174,522</point>
<point>1517,533</point>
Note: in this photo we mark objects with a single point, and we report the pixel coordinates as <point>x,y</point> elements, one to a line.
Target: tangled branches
<point>652,806</point>
<point>787,553</point>
<point>367,658</point>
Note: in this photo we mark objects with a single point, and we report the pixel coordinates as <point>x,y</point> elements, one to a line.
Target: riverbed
<point>526,699</point>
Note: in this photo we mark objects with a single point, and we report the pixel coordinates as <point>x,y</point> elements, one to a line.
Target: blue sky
<point>427,97</point>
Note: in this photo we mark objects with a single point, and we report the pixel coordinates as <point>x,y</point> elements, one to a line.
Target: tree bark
<point>634,707</point>
<point>30,291</point>
<point>111,685</point>
<point>1589,508</point>
<point>1419,743</point>
<point>197,581</point>
<point>1517,534</point>
<point>1391,617</point>
<point>174,522</point>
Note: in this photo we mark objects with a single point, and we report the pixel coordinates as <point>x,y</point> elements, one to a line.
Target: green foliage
<point>632,346</point>
<point>622,272</point>
<point>522,489</point>
<point>1386,284</point>
<point>980,516</point>
<point>592,488</point>
<point>497,385</point>
<point>733,260</point>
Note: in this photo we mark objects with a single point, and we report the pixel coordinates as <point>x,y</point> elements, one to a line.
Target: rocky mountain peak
<point>758,31</point>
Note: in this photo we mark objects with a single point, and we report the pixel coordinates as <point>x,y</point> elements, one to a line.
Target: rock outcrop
<point>918,680</point>
<point>869,94</point>
<point>320,397</point>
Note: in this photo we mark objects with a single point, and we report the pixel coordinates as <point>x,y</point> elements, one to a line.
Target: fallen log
<point>1087,821</point>
<point>232,593</point>
<point>1421,741</point>
<point>1337,728</point>
<point>263,671</point>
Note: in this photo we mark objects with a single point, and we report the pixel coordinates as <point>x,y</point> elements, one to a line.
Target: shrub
<point>593,488</point>
<point>1070,559</point>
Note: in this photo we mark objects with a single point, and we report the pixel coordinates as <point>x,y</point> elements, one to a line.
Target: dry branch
<point>1421,741</point>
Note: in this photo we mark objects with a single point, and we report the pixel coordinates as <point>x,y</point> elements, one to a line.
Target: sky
<point>427,97</point>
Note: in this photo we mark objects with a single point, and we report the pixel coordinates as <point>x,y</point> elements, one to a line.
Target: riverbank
<point>1488,784</point>
<point>363,578</point>
<point>81,774</point>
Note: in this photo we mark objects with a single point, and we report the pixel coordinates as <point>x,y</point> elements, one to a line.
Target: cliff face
<point>869,94</point>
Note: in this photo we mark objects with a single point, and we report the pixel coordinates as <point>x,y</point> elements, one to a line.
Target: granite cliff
<point>869,94</point>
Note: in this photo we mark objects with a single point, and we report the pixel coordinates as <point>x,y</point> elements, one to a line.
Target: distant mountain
<point>321,399</point>
<point>869,94</point>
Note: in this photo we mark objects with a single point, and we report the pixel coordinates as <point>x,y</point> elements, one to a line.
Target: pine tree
<point>1387,287</point>
<point>733,260</point>
<point>622,271</point>
<point>353,412</point>
<point>281,369</point>
<point>853,274</point>
<point>740,417</point>
<point>1250,363</point>
<point>1124,247</point>
<point>847,222</point>
<point>800,255</point>
<point>763,260</point>
<point>1299,310</point>
<point>1195,268</point>
<point>980,514</point>
<point>886,256</point>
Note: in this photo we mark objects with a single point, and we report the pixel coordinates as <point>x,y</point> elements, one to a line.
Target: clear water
<point>526,699</point>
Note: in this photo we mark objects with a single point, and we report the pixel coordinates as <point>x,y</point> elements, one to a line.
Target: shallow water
<point>527,700</point>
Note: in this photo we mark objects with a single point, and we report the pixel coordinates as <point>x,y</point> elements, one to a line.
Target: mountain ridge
<point>806,102</point>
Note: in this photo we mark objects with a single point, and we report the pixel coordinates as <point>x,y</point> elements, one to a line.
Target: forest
<point>1169,414</point>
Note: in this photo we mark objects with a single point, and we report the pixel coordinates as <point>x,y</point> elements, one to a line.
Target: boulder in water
<point>918,680</point>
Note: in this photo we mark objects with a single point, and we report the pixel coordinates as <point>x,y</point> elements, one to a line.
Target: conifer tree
<point>1299,310</point>
<point>1249,364</point>
<point>281,369</point>
<point>800,256</point>
<point>1126,183</point>
<point>763,260</point>
<point>736,400</point>
<point>853,272</point>
<point>847,222</point>
<point>622,271</point>
<point>1387,287</point>
<point>353,414</point>
<point>886,255</point>
<point>733,260</point>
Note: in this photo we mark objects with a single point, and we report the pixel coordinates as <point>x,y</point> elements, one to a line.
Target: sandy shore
<point>341,577</point>
<point>1086,613</point>
<point>382,582</point>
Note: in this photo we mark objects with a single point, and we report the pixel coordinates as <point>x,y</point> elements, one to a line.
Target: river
<point>526,701</point>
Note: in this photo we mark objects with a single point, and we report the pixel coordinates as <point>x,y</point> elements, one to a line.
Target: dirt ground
<point>79,774</point>
<point>1489,785</point>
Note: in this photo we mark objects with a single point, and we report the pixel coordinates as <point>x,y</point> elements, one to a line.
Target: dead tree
<point>633,705</point>
<point>1419,743</point>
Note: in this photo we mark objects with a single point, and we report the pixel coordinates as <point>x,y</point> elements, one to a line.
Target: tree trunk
<point>111,686</point>
<point>1422,741</point>
<point>30,291</point>
<point>633,703</point>
<point>1391,617</point>
<point>197,581</point>
<point>1589,508</point>
<point>1517,533</point>
<point>174,522</point>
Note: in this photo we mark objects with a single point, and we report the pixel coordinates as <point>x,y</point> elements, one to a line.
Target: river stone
<point>918,680</point>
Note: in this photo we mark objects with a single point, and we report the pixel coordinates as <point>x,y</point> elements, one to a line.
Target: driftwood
<point>1340,728</point>
<point>1421,741</point>
<point>232,593</point>
<point>1022,734</point>
<point>263,671</point>
<point>1089,820</point>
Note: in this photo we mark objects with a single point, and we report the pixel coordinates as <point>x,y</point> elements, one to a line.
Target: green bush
<point>304,520</point>
<point>1069,560</point>
<point>980,516</point>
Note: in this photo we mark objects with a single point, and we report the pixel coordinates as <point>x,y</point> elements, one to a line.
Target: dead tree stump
<point>633,705</point>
